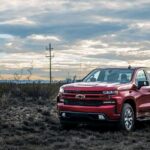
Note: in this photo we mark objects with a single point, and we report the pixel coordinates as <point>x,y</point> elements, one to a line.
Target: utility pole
<point>50,62</point>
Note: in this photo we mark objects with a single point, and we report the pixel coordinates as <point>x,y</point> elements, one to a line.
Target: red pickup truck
<point>106,94</point>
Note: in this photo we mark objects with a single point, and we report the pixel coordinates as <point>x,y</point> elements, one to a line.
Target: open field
<point>29,121</point>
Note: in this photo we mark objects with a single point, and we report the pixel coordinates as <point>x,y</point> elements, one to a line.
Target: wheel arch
<point>132,103</point>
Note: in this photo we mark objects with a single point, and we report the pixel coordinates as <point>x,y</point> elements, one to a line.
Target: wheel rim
<point>128,118</point>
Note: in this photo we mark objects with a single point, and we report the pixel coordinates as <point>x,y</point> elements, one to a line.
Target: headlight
<point>61,90</point>
<point>110,92</point>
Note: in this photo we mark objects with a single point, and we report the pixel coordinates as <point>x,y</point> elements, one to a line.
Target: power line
<point>50,62</point>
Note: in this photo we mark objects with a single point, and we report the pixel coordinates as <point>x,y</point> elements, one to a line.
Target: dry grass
<point>34,90</point>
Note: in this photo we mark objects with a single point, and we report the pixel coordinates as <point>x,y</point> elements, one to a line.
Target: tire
<point>67,124</point>
<point>127,121</point>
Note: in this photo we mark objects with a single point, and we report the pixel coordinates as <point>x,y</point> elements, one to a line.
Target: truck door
<point>143,101</point>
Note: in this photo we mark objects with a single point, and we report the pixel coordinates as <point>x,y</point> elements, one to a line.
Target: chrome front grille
<point>84,98</point>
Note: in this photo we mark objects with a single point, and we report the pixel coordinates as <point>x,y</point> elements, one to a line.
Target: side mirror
<point>134,87</point>
<point>142,83</point>
<point>93,79</point>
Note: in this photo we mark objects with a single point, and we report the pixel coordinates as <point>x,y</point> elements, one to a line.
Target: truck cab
<point>119,95</point>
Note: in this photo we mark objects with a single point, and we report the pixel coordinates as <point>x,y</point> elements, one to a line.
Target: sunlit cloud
<point>19,21</point>
<point>43,37</point>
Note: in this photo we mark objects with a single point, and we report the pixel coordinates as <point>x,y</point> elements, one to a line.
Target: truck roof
<point>129,67</point>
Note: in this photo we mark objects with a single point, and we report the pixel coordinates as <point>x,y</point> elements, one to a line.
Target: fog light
<point>63,115</point>
<point>61,100</point>
<point>109,102</point>
<point>101,117</point>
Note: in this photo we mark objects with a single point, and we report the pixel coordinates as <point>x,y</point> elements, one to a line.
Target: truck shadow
<point>111,127</point>
<point>140,125</point>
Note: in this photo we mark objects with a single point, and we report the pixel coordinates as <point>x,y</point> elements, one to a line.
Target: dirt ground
<point>32,124</point>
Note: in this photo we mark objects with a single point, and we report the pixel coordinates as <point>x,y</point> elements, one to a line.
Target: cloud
<point>18,21</point>
<point>6,36</point>
<point>43,37</point>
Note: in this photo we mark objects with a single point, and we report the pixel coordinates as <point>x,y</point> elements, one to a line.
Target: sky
<point>85,34</point>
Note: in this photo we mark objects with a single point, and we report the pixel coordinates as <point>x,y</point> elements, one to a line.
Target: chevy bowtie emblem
<point>80,96</point>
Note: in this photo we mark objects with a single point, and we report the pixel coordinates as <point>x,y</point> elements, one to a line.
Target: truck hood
<point>92,86</point>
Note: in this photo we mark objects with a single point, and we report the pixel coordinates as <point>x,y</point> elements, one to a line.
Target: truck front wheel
<point>127,120</point>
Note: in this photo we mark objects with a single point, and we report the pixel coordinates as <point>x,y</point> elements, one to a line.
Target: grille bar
<point>83,92</point>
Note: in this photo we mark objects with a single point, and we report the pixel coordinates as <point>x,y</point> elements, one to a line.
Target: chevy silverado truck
<point>119,95</point>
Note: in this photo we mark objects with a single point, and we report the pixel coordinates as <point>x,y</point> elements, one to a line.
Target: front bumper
<point>80,117</point>
<point>88,112</point>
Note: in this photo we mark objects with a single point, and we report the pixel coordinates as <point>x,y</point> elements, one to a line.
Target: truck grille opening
<point>83,102</point>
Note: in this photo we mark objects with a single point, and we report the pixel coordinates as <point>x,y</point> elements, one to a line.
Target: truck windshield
<point>110,75</point>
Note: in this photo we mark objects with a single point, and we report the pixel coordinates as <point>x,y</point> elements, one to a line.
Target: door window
<point>140,76</point>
